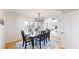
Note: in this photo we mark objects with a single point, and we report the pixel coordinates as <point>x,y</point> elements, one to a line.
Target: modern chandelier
<point>39,19</point>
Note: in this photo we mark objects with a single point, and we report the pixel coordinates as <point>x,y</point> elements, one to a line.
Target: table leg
<point>33,43</point>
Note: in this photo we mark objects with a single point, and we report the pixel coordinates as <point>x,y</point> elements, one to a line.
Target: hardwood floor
<point>11,45</point>
<point>57,38</point>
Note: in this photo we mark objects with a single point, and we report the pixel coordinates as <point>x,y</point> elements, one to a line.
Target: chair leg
<point>44,42</point>
<point>25,45</point>
<point>49,39</point>
<point>35,42</point>
<point>32,44</point>
<point>40,44</point>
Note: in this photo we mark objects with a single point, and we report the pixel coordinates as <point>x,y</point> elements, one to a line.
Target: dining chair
<point>45,36</point>
<point>48,35</point>
<point>40,38</point>
<point>25,38</point>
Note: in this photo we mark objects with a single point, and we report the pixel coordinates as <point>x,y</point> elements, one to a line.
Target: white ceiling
<point>67,10</point>
<point>33,13</point>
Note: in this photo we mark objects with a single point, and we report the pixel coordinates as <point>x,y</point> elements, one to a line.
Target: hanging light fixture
<point>39,19</point>
<point>54,20</point>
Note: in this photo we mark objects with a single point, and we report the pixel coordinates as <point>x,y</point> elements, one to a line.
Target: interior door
<point>75,30</point>
<point>66,29</point>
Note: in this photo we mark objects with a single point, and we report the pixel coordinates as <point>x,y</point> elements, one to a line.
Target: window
<point>29,26</point>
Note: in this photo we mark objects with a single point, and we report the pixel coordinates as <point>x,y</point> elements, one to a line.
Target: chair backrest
<point>42,35</point>
<point>23,35</point>
<point>48,33</point>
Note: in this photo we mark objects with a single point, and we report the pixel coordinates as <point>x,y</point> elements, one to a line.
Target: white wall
<point>2,30</point>
<point>10,28</point>
<point>1,36</point>
<point>20,26</point>
<point>13,26</point>
<point>69,25</point>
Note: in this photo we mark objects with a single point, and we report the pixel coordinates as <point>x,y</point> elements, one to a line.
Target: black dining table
<point>33,38</point>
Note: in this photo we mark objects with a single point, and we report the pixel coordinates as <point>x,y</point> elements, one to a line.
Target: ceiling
<point>33,13</point>
<point>67,10</point>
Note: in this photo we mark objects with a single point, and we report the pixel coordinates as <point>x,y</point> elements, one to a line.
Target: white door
<point>75,30</point>
<point>70,28</point>
<point>66,29</point>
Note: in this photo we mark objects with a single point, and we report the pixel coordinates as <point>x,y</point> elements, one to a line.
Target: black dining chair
<point>45,36</point>
<point>40,38</point>
<point>48,35</point>
<point>25,38</point>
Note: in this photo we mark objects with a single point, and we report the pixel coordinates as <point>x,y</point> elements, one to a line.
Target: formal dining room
<point>39,28</point>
